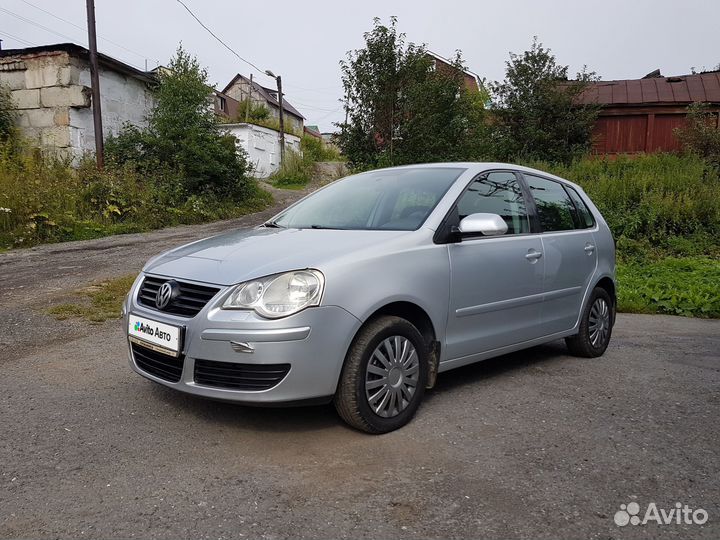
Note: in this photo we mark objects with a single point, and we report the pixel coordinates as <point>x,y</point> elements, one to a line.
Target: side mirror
<point>485,224</point>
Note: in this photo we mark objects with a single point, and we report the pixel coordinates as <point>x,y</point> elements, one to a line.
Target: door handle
<point>589,248</point>
<point>533,255</point>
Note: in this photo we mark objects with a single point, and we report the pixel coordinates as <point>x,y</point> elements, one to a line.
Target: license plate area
<point>155,335</point>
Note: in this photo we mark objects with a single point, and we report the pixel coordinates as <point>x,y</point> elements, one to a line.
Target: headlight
<point>279,295</point>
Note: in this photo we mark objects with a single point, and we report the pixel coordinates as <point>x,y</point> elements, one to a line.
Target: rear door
<point>569,250</point>
<point>496,281</point>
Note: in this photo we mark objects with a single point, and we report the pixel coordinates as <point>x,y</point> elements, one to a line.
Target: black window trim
<point>443,234</point>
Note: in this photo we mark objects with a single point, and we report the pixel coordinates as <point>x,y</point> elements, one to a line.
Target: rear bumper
<point>313,343</point>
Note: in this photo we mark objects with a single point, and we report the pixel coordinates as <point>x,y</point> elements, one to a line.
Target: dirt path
<point>33,279</point>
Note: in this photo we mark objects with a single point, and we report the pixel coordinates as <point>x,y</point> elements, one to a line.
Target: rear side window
<point>554,207</point>
<point>585,217</point>
<point>496,193</point>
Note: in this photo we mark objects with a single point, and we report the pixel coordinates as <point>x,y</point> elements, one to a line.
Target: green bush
<point>45,199</point>
<point>701,135</point>
<point>183,135</point>
<point>8,114</point>
<point>314,150</point>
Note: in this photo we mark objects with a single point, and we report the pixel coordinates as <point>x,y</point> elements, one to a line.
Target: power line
<point>29,21</point>
<point>21,40</point>
<point>248,62</point>
<point>83,29</point>
<point>64,36</point>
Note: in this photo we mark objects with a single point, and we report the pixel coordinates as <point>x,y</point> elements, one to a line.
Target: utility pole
<point>249,100</point>
<point>278,80</point>
<point>95,83</point>
<point>282,121</point>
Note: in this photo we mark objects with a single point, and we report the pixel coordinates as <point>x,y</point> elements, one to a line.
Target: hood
<point>241,255</point>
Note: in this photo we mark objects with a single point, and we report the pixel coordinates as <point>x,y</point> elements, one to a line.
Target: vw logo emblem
<point>165,293</point>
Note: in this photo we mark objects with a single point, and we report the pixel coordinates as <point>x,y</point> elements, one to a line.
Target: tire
<point>353,398</point>
<point>587,343</point>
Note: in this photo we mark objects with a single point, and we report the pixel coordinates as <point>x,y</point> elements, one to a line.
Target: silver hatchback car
<point>362,292</point>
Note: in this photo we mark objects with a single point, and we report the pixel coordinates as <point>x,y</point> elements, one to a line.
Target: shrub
<point>183,135</point>
<point>314,150</point>
<point>400,109</point>
<point>701,135</point>
<point>7,114</point>
<point>44,199</point>
<point>536,114</point>
<point>295,171</point>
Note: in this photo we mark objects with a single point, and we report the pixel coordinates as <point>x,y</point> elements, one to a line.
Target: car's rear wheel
<point>383,379</point>
<point>596,326</point>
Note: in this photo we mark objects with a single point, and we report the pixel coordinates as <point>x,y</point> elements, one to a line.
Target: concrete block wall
<point>52,94</point>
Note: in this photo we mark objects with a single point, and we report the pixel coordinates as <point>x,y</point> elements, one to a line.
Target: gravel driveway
<point>533,444</point>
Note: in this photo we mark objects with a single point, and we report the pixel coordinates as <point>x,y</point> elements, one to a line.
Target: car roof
<point>476,167</point>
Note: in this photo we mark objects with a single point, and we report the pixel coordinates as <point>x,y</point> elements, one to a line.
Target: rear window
<point>585,217</point>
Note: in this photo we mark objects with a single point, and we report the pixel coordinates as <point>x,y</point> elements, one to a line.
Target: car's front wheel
<point>596,326</point>
<point>383,379</point>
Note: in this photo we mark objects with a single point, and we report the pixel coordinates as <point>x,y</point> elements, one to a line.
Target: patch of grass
<point>294,173</point>
<point>297,168</point>
<point>98,303</point>
<point>686,286</point>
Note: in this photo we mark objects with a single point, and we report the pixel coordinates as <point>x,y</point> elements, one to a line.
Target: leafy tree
<point>700,135</point>
<point>8,114</point>
<point>183,133</point>
<point>400,109</point>
<point>536,113</point>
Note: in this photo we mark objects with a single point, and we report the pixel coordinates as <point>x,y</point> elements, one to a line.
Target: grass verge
<point>97,303</point>
<point>686,286</point>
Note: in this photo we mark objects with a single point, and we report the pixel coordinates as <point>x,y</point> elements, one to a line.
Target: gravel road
<point>535,444</point>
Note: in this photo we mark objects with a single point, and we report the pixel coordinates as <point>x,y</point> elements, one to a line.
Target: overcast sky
<point>303,41</point>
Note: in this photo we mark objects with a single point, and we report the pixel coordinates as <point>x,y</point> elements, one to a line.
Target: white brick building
<point>50,86</point>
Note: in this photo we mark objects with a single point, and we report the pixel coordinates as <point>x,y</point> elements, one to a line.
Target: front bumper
<point>314,342</point>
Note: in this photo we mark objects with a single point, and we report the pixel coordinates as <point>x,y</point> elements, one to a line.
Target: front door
<point>496,282</point>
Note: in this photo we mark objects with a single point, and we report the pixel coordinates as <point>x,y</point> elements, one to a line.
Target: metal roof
<point>703,87</point>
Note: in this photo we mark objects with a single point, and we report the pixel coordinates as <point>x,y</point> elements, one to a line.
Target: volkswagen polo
<point>362,292</point>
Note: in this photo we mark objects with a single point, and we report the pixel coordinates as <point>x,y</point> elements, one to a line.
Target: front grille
<point>239,376</point>
<point>161,365</point>
<point>188,303</point>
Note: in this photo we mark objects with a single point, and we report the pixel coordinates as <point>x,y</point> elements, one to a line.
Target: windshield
<point>393,199</point>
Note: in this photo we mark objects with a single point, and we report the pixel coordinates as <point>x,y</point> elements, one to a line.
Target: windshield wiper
<point>323,227</point>
<point>272,225</point>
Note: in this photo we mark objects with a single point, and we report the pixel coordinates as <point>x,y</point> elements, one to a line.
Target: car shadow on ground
<point>323,417</point>
<point>541,356</point>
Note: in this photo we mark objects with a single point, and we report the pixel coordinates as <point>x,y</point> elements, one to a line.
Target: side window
<point>554,207</point>
<point>586,218</point>
<point>497,193</point>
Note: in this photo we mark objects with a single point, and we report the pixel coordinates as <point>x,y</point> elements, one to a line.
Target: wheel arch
<point>421,320</point>
<point>607,283</point>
